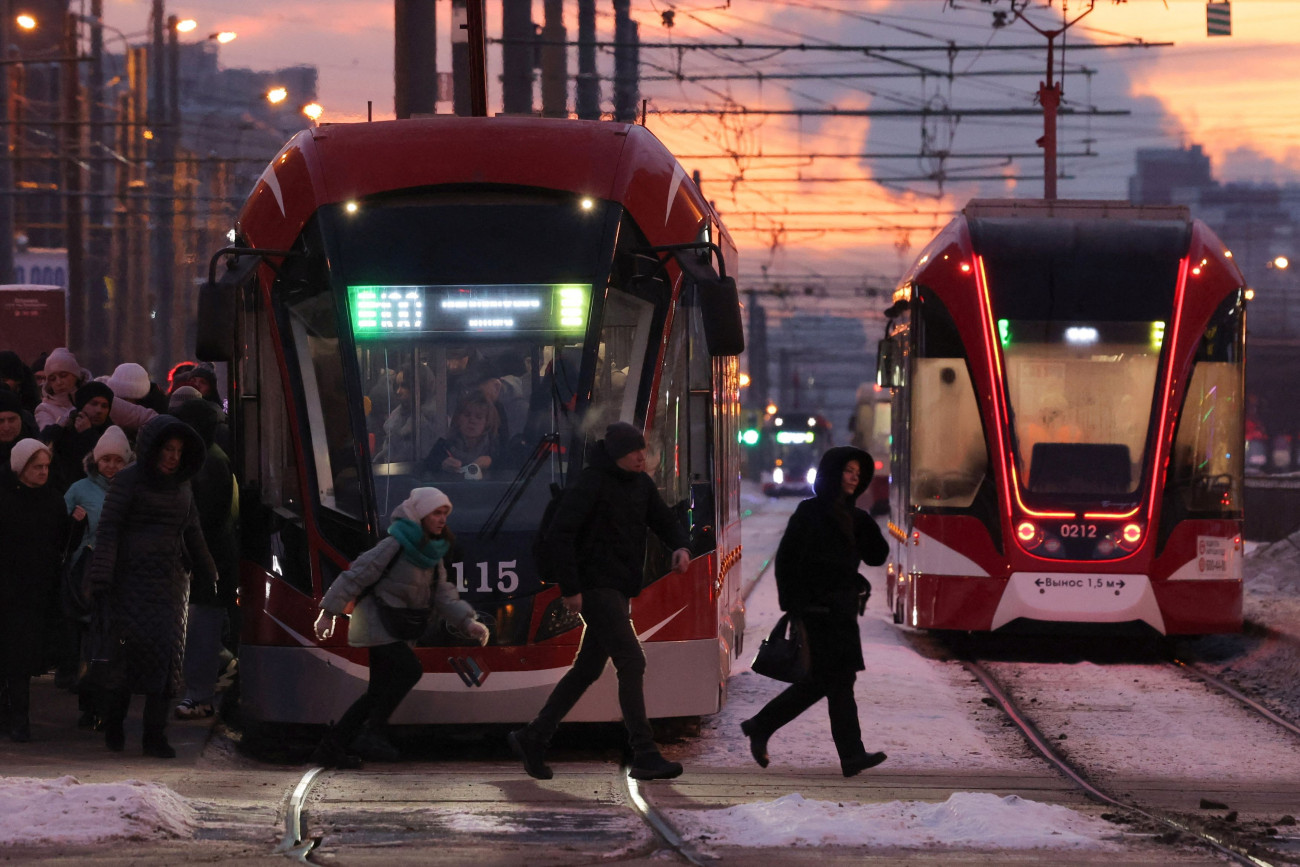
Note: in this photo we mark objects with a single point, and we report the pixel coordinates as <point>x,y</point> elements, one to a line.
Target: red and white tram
<point>1068,422</point>
<point>386,276</point>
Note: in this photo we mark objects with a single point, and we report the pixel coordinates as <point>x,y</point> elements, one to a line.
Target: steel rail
<point>657,822</point>
<point>1227,848</point>
<point>292,844</point>
<point>1229,690</point>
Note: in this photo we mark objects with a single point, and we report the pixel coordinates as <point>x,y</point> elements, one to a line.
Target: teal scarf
<point>410,534</point>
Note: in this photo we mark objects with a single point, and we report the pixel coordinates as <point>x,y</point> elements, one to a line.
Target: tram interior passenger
<point>473,442</point>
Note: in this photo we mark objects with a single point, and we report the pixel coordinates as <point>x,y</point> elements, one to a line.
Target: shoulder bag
<point>783,655</point>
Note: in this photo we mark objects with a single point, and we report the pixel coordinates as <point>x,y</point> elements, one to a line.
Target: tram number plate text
<point>506,578</point>
<point>1078,531</point>
<point>1213,556</point>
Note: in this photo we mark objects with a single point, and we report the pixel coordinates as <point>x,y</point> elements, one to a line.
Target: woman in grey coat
<point>148,545</point>
<point>407,570</point>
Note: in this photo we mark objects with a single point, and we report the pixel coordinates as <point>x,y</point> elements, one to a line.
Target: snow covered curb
<point>967,820</point>
<point>64,810</point>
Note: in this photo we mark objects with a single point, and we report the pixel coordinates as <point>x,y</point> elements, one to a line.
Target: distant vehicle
<point>791,445</point>
<point>1069,406</point>
<point>870,430</point>
<point>33,318</point>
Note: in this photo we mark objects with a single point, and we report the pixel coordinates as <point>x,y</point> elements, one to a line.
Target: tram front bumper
<point>1075,597</point>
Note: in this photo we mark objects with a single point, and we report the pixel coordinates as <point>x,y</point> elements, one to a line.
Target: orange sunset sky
<point>1236,96</point>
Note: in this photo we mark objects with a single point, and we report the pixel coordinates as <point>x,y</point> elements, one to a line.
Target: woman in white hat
<point>396,587</point>
<point>63,376</point>
<point>32,539</point>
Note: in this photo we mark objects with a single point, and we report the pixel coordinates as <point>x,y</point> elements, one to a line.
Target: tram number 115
<point>507,580</point>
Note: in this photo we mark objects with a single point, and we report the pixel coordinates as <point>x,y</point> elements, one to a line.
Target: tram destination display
<point>391,311</point>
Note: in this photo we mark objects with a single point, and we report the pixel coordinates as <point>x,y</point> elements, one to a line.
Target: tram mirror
<point>215,340</point>
<point>724,331</point>
<point>889,368</point>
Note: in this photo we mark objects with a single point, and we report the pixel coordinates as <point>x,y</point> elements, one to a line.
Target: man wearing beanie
<point>15,424</point>
<point>595,546</point>
<point>74,440</point>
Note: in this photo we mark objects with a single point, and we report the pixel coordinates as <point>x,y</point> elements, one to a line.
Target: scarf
<point>409,533</point>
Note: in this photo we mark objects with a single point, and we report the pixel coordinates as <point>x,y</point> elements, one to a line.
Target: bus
<point>560,275</point>
<point>1068,413</point>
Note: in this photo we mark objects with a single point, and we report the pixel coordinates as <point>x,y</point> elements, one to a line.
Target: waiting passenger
<point>407,430</point>
<point>473,442</point>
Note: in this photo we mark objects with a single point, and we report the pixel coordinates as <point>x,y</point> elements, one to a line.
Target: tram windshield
<point>1080,395</point>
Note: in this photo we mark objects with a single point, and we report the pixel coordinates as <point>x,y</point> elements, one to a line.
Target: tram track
<point>1238,847</point>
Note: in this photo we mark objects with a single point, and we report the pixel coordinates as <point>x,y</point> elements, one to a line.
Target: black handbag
<point>783,655</point>
<point>404,624</point>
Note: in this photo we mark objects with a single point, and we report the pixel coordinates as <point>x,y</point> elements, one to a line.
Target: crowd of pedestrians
<point>118,543</point>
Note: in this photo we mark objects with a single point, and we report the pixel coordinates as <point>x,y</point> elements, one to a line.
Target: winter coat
<point>401,585</point>
<point>216,494</point>
<point>597,537</point>
<point>89,494</point>
<point>53,409</point>
<point>33,535</point>
<point>148,539</point>
<point>817,563</point>
<point>69,448</point>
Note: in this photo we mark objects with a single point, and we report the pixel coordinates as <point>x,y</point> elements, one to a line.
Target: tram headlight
<point>778,476</point>
<point>1130,536</point>
<point>1029,534</point>
<point>811,475</point>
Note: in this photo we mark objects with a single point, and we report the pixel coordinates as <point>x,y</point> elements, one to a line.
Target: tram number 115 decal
<point>507,580</point>
<point>1078,531</point>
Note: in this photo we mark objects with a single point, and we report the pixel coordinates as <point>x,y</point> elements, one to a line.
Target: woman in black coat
<point>817,580</point>
<point>148,540</point>
<point>33,534</point>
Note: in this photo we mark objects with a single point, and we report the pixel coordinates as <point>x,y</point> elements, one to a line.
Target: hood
<point>149,442</point>
<point>831,466</point>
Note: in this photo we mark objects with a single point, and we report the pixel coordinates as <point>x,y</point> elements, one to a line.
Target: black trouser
<point>118,701</point>
<point>608,634</point>
<point>837,689</point>
<point>394,671</point>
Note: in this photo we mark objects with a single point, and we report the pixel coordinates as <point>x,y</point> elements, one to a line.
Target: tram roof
<point>619,162</point>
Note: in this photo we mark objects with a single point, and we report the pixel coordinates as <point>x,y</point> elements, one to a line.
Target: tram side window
<point>949,454</point>
<point>1206,466</point>
<point>624,343</point>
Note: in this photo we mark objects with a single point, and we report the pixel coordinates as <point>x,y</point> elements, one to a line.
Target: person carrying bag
<point>395,586</point>
<point>818,583</point>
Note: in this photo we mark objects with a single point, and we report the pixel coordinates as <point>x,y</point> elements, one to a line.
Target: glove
<point>864,593</point>
<point>479,632</point>
<point>324,625</point>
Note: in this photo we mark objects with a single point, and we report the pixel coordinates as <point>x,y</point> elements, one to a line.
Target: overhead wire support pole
<point>1049,90</point>
<point>477,26</point>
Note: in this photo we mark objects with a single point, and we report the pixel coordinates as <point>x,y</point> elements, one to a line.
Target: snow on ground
<point>968,820</point>
<point>63,810</point>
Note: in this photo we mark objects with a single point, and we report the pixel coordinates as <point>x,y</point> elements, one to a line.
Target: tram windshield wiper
<point>536,460</point>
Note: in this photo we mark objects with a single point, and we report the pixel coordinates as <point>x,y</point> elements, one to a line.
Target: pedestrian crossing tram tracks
<point>1238,848</point>
<point>299,845</point>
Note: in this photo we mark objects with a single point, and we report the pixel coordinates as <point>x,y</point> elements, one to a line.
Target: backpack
<point>541,547</point>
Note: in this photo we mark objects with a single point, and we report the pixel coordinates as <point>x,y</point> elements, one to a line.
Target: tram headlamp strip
<point>1036,739</point>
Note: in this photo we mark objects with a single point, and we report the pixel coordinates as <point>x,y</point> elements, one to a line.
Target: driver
<point>473,442</point>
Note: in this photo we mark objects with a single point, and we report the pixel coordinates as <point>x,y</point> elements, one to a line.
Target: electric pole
<point>588,96</point>
<point>7,178</point>
<point>517,37</point>
<point>415,67</point>
<point>555,62</point>
<point>626,62</point>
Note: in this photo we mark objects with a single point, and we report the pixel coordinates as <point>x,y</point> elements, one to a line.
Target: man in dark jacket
<point>596,547</point>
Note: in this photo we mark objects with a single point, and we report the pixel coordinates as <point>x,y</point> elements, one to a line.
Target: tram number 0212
<point>507,579</point>
<point>1078,531</point>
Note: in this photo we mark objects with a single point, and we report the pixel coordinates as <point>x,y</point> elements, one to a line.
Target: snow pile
<point>1272,583</point>
<point>977,820</point>
<point>63,810</point>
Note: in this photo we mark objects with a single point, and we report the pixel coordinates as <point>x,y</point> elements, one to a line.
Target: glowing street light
<point>25,21</point>
<point>277,95</point>
<point>313,110</point>
<point>185,25</point>
<point>225,36</point>
<point>1281,263</point>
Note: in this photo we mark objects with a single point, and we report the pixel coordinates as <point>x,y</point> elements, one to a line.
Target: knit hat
<point>182,395</point>
<point>24,451</point>
<point>622,439</point>
<point>89,391</point>
<point>422,501</point>
<point>129,380</point>
<point>12,367</point>
<point>10,401</point>
<point>198,371</point>
<point>113,442</point>
<point>62,360</point>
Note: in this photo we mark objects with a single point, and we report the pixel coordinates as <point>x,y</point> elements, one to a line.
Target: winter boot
<point>373,746</point>
<point>155,744</point>
<point>531,750</point>
<point>329,753</point>
<point>653,766</point>
<point>757,741</point>
<point>863,760</point>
